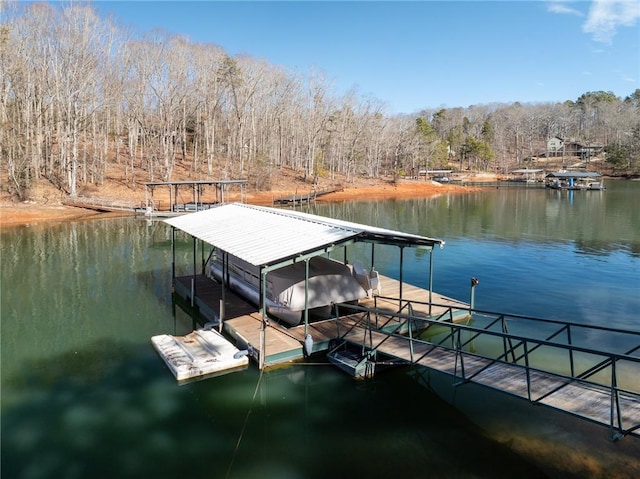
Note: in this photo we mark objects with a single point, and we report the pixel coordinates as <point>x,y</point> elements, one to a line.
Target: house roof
<point>265,236</point>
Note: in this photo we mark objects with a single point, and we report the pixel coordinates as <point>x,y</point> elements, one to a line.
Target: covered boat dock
<point>575,180</point>
<point>405,323</point>
<point>272,239</point>
<point>189,196</point>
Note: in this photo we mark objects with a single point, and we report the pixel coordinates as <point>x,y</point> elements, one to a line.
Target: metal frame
<point>517,350</point>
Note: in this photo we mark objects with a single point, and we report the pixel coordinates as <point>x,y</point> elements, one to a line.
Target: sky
<point>421,54</point>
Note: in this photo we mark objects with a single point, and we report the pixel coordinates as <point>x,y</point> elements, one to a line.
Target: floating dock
<point>203,352</point>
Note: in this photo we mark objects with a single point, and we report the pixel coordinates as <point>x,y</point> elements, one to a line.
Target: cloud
<point>605,16</point>
<point>625,77</point>
<point>562,7</point>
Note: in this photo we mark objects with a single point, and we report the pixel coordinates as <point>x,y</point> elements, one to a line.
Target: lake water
<point>85,395</point>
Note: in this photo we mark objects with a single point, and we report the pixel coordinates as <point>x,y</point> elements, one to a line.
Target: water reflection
<point>94,413</point>
<point>535,253</point>
<point>594,222</point>
<point>84,393</point>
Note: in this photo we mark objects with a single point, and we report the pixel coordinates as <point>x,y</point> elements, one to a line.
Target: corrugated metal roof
<point>573,174</point>
<point>264,236</point>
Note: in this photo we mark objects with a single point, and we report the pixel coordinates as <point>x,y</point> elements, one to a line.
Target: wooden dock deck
<point>242,320</point>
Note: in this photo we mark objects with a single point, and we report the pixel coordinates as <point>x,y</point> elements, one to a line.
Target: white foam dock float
<point>199,353</point>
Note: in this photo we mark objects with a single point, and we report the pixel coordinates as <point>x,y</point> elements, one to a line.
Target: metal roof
<point>574,174</point>
<point>196,182</point>
<point>265,236</point>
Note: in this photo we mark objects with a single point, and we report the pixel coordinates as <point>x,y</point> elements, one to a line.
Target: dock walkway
<point>107,205</point>
<point>595,384</point>
<point>303,198</point>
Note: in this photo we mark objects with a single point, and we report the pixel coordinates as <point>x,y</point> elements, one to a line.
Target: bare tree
<point>80,97</point>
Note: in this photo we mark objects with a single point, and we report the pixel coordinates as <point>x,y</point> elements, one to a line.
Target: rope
<point>246,420</point>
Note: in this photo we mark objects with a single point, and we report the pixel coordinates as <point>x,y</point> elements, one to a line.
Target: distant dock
<point>183,197</point>
<point>303,198</point>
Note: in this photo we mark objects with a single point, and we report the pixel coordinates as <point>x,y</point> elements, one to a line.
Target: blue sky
<point>421,54</point>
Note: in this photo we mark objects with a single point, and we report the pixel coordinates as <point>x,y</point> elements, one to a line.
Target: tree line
<point>81,95</point>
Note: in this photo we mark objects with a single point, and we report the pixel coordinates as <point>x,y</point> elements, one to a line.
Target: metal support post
<point>474,283</point>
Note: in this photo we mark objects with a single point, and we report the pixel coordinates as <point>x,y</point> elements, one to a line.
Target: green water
<point>85,395</point>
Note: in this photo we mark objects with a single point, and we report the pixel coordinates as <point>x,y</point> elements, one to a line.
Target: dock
<point>181,197</point>
<point>303,198</point>
<point>597,385</point>
<point>104,205</point>
<point>596,390</point>
<point>549,362</point>
<point>243,322</point>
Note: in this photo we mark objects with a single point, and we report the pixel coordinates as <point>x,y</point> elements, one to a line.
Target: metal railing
<point>597,357</point>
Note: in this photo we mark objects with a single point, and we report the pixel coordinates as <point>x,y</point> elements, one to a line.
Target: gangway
<point>592,372</point>
<point>107,205</point>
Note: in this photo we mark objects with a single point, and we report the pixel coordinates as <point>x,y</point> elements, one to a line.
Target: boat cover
<point>330,282</point>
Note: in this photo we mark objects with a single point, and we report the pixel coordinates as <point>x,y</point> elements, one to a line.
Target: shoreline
<point>32,212</point>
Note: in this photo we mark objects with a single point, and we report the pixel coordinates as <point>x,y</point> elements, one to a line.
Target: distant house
<point>584,151</point>
<point>557,146</point>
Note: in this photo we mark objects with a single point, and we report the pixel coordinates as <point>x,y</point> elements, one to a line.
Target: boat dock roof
<point>574,174</point>
<point>266,236</point>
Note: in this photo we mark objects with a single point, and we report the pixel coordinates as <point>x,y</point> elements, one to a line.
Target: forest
<point>82,96</point>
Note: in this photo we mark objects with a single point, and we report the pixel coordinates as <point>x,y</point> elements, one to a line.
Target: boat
<point>330,282</point>
<point>442,179</point>
<point>574,180</point>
